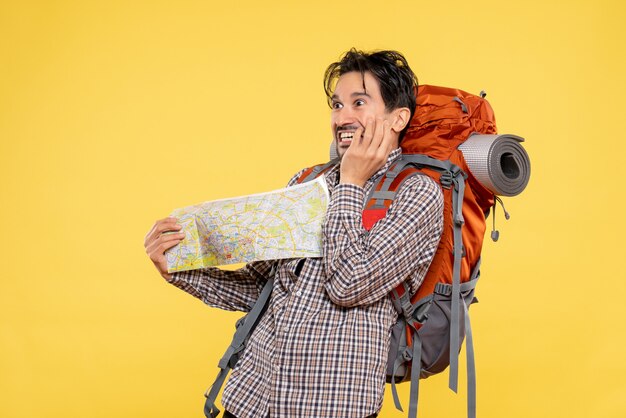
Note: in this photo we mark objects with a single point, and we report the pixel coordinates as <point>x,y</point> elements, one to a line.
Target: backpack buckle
<point>446,179</point>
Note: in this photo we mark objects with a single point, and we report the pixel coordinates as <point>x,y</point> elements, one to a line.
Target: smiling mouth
<point>345,135</point>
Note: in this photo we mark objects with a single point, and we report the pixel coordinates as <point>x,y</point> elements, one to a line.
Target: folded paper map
<point>285,223</point>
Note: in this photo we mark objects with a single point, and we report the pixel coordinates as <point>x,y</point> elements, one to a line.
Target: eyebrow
<point>355,94</point>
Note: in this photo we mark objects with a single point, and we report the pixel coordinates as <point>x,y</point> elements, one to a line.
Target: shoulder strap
<point>231,356</point>
<point>384,192</point>
<point>314,172</point>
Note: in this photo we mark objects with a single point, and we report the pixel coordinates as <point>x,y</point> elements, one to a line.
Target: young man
<point>320,349</point>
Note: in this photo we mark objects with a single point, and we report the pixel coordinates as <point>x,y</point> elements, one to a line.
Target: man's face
<point>352,106</point>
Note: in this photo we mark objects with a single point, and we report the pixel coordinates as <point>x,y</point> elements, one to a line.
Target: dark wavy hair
<point>397,81</point>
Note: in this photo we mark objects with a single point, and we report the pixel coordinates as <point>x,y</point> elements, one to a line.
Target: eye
<point>359,102</point>
<point>336,105</point>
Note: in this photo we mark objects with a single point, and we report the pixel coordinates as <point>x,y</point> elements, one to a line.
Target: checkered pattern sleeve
<point>226,289</point>
<point>233,290</point>
<point>362,267</point>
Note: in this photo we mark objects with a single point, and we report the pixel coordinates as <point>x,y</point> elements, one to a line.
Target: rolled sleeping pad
<point>498,162</point>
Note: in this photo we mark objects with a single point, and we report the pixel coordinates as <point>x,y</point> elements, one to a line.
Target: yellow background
<point>114,113</point>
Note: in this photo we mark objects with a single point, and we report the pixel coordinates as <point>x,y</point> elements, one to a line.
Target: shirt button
<point>298,293</point>
<point>276,368</point>
<point>286,328</point>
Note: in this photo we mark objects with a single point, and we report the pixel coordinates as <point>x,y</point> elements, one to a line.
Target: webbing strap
<point>251,319</point>
<point>457,202</point>
<point>402,303</point>
<point>422,159</point>
<point>416,366</point>
<point>237,344</point>
<point>389,177</point>
<point>476,271</point>
<point>210,408</point>
<point>446,290</point>
<point>382,193</point>
<point>471,367</point>
<point>386,195</point>
<point>317,170</point>
<point>401,358</point>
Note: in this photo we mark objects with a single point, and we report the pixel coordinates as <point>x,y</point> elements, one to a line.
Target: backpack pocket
<point>435,333</point>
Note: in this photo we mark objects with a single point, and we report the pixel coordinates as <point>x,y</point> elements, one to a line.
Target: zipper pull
<point>495,234</point>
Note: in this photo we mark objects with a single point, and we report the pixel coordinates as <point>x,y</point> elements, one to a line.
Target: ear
<point>400,119</point>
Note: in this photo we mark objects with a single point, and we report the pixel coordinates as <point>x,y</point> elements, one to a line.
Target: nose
<point>345,116</point>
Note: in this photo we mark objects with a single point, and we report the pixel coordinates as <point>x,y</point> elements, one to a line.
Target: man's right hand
<point>368,152</point>
<point>157,242</point>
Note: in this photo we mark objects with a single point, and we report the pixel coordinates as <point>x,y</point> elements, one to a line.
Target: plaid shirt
<point>320,350</point>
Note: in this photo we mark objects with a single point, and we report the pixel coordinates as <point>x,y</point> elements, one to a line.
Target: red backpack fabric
<point>444,119</point>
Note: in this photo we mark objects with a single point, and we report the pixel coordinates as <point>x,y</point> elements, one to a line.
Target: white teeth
<point>346,135</point>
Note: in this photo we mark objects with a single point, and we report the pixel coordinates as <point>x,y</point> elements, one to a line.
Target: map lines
<point>285,223</point>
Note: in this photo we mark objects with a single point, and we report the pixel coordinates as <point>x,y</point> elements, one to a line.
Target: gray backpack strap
<point>458,221</point>
<point>319,169</point>
<point>425,160</point>
<point>387,179</point>
<point>465,289</point>
<point>413,355</point>
<point>231,356</point>
<point>417,160</point>
<point>414,314</point>
<point>471,367</point>
<point>418,316</point>
<point>416,367</point>
<point>404,308</point>
<point>469,347</point>
<point>400,359</point>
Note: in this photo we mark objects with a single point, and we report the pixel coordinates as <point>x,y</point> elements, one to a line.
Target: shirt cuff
<point>175,278</point>
<point>347,199</point>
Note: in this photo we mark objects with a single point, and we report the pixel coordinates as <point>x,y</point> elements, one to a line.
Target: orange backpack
<point>444,119</point>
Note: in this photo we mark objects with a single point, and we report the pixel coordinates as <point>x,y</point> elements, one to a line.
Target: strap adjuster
<point>446,179</point>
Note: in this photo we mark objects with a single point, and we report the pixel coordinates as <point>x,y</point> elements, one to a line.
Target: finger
<point>150,233</point>
<point>166,246</point>
<point>157,249</point>
<point>387,144</point>
<point>158,255</point>
<point>159,260</point>
<point>157,225</point>
<point>379,133</point>
<point>368,134</point>
<point>168,224</point>
<point>169,236</point>
<point>166,238</point>
<point>356,141</point>
<point>163,225</point>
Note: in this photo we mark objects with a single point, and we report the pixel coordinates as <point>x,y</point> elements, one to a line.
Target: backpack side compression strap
<point>230,357</point>
<point>458,221</point>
